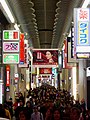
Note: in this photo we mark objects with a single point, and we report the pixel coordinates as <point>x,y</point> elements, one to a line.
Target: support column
<point>82,80</point>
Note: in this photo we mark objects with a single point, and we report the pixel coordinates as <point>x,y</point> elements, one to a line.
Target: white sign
<point>83,14</point>
<point>87,71</point>
<point>16,75</point>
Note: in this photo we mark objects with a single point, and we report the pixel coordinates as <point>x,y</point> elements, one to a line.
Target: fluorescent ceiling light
<point>7,10</point>
<point>16,27</point>
<point>69,34</point>
<point>85,4</point>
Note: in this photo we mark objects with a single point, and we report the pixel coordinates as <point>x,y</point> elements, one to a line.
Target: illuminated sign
<point>45,70</point>
<point>10,35</point>
<point>83,55</point>
<point>10,47</point>
<point>7,75</point>
<point>81,32</point>
<point>25,62</point>
<point>10,58</point>
<point>45,57</point>
<point>22,52</point>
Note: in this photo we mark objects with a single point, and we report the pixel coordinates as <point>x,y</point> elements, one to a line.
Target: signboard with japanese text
<point>82,30</point>
<point>25,63</point>
<point>10,46</point>
<point>45,70</point>
<point>22,52</point>
<point>66,65</point>
<point>45,57</point>
<point>7,75</point>
<point>10,58</point>
<point>10,35</point>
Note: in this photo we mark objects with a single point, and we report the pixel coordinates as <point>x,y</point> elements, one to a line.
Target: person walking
<point>36,115</point>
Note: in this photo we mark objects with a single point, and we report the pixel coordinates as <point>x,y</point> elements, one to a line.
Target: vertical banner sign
<point>65,62</point>
<point>82,30</point>
<point>21,48</point>
<point>72,42</point>
<point>26,53</point>
<point>7,75</point>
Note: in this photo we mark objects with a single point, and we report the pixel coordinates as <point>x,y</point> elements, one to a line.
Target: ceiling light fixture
<point>7,11</point>
<point>58,3</point>
<point>33,10</point>
<point>37,33</point>
<point>16,27</point>
<point>57,10</point>
<point>31,3</point>
<point>55,19</point>
<point>35,27</point>
<point>54,27</point>
<point>55,23</point>
<point>35,23</point>
<point>54,30</point>
<point>33,15</point>
<point>36,30</point>
<point>85,4</point>
<point>34,20</point>
<point>56,15</point>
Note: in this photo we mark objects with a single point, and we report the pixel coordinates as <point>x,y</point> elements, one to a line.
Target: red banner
<point>45,70</point>
<point>7,75</point>
<point>66,65</point>
<point>45,57</point>
<point>22,48</point>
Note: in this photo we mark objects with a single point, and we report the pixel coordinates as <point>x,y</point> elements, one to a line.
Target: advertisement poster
<point>45,57</point>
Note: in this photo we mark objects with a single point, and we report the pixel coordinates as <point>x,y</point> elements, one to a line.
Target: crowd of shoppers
<point>45,103</point>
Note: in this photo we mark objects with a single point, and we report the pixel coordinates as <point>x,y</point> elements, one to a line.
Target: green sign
<point>6,35</point>
<point>11,35</point>
<point>10,58</point>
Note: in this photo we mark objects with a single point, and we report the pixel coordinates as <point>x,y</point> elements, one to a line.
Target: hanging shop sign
<point>82,30</point>
<point>45,70</point>
<point>10,58</point>
<point>10,46</point>
<point>10,35</point>
<point>22,51</point>
<point>7,75</point>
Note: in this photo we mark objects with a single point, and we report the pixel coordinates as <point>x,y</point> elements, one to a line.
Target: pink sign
<point>10,46</point>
